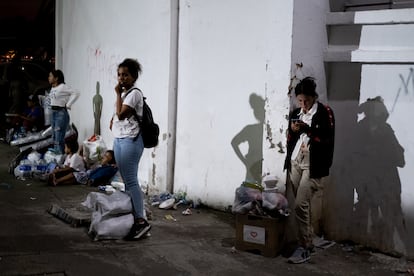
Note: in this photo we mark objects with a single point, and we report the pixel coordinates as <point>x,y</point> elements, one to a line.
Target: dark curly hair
<point>134,67</point>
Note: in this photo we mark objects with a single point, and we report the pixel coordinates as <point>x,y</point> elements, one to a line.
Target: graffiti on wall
<point>406,87</point>
<point>102,66</point>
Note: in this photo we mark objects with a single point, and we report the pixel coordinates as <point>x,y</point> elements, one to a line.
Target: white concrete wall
<point>370,196</point>
<point>310,41</point>
<point>386,43</point>
<point>395,84</point>
<point>228,50</point>
<point>93,37</point>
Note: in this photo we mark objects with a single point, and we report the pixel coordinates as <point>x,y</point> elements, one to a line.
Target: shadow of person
<point>377,184</point>
<point>253,136</point>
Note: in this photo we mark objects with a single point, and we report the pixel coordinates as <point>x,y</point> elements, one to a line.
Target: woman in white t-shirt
<point>73,163</point>
<point>61,99</point>
<point>128,144</point>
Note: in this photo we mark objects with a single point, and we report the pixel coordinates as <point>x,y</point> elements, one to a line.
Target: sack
<point>111,215</point>
<point>148,128</point>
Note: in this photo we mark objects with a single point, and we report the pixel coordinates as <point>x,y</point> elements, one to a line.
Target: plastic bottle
<point>23,170</point>
<point>39,169</point>
<point>22,132</point>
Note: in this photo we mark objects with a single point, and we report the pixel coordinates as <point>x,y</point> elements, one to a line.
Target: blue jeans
<point>127,155</point>
<point>60,123</point>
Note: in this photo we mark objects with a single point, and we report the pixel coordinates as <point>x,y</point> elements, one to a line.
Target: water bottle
<point>39,169</point>
<point>23,170</point>
<point>22,132</point>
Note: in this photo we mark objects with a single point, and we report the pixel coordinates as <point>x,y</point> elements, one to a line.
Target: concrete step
<point>382,36</point>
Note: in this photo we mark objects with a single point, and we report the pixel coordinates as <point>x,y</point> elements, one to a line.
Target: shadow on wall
<point>253,136</point>
<point>376,155</point>
<point>97,103</point>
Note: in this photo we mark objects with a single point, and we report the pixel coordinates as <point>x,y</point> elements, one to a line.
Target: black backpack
<point>149,130</point>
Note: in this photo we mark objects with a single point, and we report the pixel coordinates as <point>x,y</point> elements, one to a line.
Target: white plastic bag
<point>44,101</point>
<point>111,217</point>
<point>273,200</point>
<point>117,182</point>
<point>246,199</point>
<point>34,157</point>
<point>113,204</point>
<point>111,227</point>
<point>52,157</point>
<point>93,149</point>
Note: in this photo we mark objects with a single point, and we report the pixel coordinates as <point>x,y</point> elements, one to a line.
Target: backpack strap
<point>134,112</point>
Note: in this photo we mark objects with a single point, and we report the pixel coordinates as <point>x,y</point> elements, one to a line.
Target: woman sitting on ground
<point>99,175</point>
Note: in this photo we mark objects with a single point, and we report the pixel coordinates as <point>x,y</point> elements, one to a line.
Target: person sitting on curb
<point>31,119</point>
<point>98,175</point>
<point>73,163</point>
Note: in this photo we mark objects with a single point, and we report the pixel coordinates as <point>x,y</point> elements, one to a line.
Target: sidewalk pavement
<point>33,242</point>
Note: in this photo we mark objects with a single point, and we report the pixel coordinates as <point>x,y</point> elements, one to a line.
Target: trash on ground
<point>321,243</point>
<point>253,198</point>
<point>170,217</point>
<point>74,218</point>
<point>187,212</point>
<point>167,204</point>
<point>168,201</point>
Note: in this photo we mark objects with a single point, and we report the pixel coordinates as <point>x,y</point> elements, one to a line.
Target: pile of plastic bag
<point>111,217</point>
<point>253,198</point>
<point>37,165</point>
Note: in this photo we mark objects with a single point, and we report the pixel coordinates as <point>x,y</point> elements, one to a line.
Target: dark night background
<point>27,27</point>
<point>27,50</point>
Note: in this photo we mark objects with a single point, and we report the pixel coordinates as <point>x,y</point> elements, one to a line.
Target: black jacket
<point>321,143</point>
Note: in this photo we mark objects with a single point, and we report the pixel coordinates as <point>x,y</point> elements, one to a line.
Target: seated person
<point>32,118</point>
<point>98,175</point>
<point>73,163</point>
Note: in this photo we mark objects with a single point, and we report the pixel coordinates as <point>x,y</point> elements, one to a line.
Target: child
<point>73,163</point>
<point>95,176</point>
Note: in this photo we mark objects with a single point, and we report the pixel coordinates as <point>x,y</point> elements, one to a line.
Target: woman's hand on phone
<point>296,125</point>
<point>118,88</point>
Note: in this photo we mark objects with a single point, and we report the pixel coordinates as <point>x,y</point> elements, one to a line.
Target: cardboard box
<point>260,235</point>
